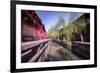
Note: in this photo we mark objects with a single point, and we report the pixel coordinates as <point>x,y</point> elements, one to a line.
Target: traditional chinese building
<point>32,27</point>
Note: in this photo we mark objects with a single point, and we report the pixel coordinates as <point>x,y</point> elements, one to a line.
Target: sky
<point>50,18</point>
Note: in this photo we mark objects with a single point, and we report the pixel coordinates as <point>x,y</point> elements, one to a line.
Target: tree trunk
<point>81,36</point>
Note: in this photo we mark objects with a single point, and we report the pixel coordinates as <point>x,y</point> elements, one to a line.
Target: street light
<point>60,32</point>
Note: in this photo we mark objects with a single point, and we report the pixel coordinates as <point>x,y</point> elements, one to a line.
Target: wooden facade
<point>32,27</point>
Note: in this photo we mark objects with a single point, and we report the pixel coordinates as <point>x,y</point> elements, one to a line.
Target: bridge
<point>53,50</point>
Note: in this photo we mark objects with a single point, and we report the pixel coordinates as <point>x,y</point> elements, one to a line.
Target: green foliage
<point>78,26</point>
<point>53,32</point>
<point>68,46</point>
<point>75,27</point>
<point>60,23</point>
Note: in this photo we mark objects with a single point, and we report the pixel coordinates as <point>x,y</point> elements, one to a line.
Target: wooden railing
<point>32,51</point>
<point>81,49</point>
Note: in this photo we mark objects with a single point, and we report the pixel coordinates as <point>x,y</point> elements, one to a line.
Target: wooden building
<point>32,27</point>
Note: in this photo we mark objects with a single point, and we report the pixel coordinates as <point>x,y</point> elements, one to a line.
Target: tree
<point>57,30</point>
<point>79,24</point>
<point>61,23</point>
<point>53,32</point>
